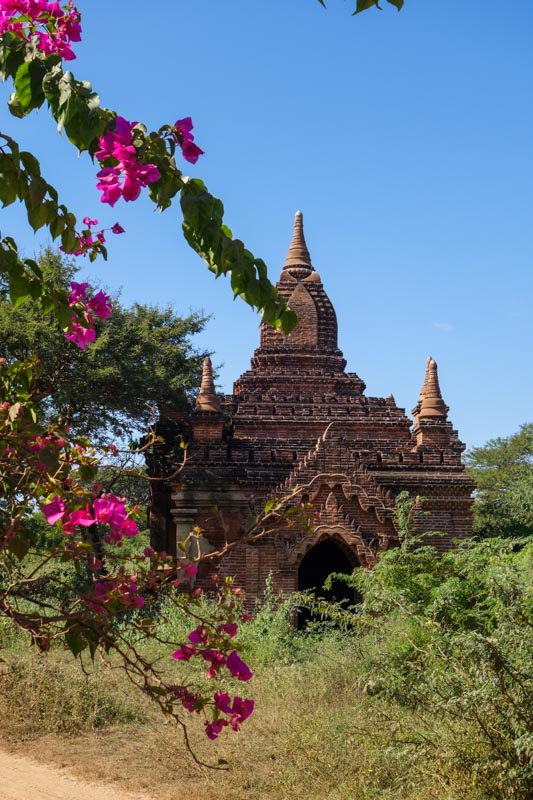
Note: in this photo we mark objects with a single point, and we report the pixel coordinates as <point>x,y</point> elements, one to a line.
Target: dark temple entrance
<point>323,559</point>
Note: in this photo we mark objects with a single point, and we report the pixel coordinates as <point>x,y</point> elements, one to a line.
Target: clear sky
<point>406,140</point>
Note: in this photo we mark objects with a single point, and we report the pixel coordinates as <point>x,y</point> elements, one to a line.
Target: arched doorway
<point>317,564</point>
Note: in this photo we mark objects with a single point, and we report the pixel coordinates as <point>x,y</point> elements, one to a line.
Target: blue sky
<point>406,140</point>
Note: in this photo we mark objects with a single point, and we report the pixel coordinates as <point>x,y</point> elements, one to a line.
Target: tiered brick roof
<point>296,418</point>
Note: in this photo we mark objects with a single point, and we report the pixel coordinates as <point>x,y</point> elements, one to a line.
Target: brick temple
<point>296,418</point>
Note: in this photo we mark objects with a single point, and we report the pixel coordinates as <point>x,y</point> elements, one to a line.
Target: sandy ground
<point>24,779</point>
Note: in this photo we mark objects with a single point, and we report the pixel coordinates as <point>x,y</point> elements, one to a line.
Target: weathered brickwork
<point>296,418</point>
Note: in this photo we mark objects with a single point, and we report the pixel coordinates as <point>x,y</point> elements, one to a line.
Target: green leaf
<point>8,187</point>
<point>76,643</point>
<point>69,240</point>
<point>38,216</point>
<point>31,163</point>
<point>29,85</point>
<point>88,472</point>
<point>56,227</point>
<point>19,289</point>
<point>363,5</point>
<point>397,3</point>
<point>37,191</point>
<point>19,546</point>
<point>15,106</point>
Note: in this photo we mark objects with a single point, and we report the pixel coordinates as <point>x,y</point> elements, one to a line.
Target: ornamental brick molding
<point>297,422</point>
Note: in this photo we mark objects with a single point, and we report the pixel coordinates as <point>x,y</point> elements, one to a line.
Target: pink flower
<point>82,517</point>
<point>100,305</point>
<point>185,652</point>
<point>116,146</point>
<point>238,668</point>
<point>89,222</point>
<point>80,335</point>
<point>240,710</point>
<point>109,511</point>
<point>222,702</point>
<point>185,126</point>
<point>191,702</point>
<point>77,293</point>
<point>183,136</point>
<point>230,628</point>
<point>109,185</point>
<point>213,729</point>
<point>129,528</point>
<point>190,571</point>
<point>215,658</point>
<point>191,152</point>
<point>54,511</point>
<point>60,26</point>
<point>199,635</point>
<point>116,228</point>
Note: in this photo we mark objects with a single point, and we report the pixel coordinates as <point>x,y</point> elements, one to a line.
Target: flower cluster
<point>119,157</point>
<point>106,510</point>
<point>120,592</point>
<point>187,570</point>
<point>97,306</point>
<point>88,241</point>
<point>182,135</point>
<point>236,710</point>
<point>53,27</point>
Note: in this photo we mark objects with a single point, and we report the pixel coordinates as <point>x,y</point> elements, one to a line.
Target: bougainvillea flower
<point>230,628</point>
<point>116,147</point>
<point>185,652</point>
<point>213,729</point>
<point>82,336</point>
<point>191,702</point>
<point>129,528</point>
<point>109,185</point>
<point>215,658</point>
<point>190,571</point>
<point>54,511</point>
<point>100,305</point>
<point>238,668</point>
<point>222,702</point>
<point>199,635</point>
<point>240,710</point>
<point>82,517</point>
<point>191,152</point>
<point>116,228</point>
<point>185,126</point>
<point>109,511</point>
<point>185,139</point>
<point>77,293</point>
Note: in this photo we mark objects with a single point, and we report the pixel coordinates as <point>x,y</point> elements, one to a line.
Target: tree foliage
<point>142,361</point>
<point>503,472</point>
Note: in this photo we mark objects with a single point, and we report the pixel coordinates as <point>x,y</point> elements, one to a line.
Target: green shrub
<point>451,639</point>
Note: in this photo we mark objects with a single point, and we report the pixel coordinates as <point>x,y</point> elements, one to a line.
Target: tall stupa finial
<point>207,399</point>
<point>431,402</point>
<point>298,255</point>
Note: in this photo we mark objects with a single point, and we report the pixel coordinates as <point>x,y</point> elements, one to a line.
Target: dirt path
<point>24,779</point>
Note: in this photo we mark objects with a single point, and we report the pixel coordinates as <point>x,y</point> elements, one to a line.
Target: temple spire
<point>431,403</point>
<point>207,399</point>
<point>298,255</point>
